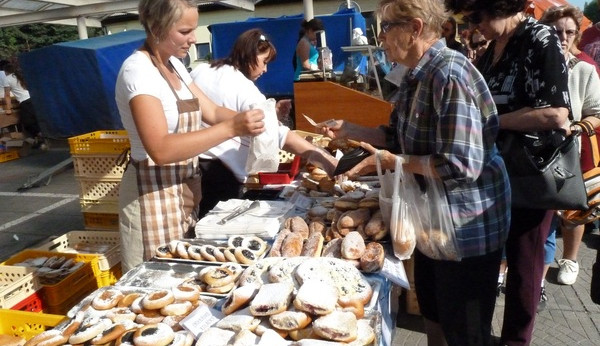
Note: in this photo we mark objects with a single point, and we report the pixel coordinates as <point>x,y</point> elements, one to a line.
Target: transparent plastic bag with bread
<point>436,238</point>
<point>396,197</point>
<point>263,155</point>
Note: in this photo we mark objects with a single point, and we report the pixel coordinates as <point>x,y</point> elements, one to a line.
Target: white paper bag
<point>263,155</point>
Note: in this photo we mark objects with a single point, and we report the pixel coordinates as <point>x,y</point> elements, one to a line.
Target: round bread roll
<point>186,292</point>
<point>218,276</point>
<point>245,256</point>
<point>230,254</point>
<point>108,335</point>
<point>49,337</point>
<point>318,173</point>
<point>89,329</point>
<point>177,308</point>
<point>195,253</point>
<point>107,299</point>
<point>128,299</point>
<point>372,259</point>
<point>353,246</point>
<point>163,252</point>
<point>235,241</point>
<point>317,211</point>
<point>255,244</point>
<point>157,300</point>
<point>208,252</point>
<point>220,289</point>
<point>154,335</point>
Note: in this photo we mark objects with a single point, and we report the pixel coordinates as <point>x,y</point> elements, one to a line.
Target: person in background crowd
<point>161,109</point>
<point>444,112</point>
<point>526,72</point>
<point>306,56</point>
<point>584,92</point>
<point>450,33</point>
<point>229,82</point>
<point>27,116</point>
<point>6,88</point>
<point>590,41</point>
<point>478,45</point>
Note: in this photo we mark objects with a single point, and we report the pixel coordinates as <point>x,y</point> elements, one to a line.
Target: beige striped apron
<point>170,194</point>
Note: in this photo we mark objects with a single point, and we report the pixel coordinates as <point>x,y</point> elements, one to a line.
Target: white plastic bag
<point>263,155</point>
<point>436,238</point>
<point>397,208</point>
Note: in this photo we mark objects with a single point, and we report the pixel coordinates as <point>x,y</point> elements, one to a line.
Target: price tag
<point>201,319</point>
<point>393,269</point>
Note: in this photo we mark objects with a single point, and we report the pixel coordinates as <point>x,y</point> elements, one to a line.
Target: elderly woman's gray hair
<point>158,16</point>
<point>432,12</point>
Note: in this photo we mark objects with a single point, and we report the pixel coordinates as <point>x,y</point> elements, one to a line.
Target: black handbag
<point>543,169</point>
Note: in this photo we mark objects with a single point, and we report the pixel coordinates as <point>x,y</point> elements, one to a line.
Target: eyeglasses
<point>569,33</point>
<point>474,18</point>
<point>387,26</point>
<point>475,45</point>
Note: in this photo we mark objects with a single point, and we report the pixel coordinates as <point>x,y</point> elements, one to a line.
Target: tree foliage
<point>24,38</point>
<point>591,11</point>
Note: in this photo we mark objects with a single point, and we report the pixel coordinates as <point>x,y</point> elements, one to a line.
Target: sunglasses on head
<point>475,45</point>
<point>473,18</point>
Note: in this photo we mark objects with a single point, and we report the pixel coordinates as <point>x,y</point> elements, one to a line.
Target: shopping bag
<point>590,166</point>
<point>397,209</point>
<point>436,238</point>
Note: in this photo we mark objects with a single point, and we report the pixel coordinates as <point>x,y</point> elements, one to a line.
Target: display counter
<point>324,100</point>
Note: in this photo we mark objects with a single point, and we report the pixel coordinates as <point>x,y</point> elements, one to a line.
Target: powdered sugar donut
<point>177,308</point>
<point>186,291</point>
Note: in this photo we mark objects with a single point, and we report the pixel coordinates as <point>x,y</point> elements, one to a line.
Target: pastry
<point>290,320</point>
<point>271,299</point>
<point>316,297</point>
<point>373,257</point>
<point>353,246</point>
<point>337,326</point>
<point>353,218</point>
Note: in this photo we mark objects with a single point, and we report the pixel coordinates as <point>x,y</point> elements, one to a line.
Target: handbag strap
<point>591,133</point>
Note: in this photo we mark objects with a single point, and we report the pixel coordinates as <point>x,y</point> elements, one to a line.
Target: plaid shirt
<point>454,118</point>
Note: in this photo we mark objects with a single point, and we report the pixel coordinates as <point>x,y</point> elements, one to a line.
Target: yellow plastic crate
<point>97,166</point>
<point>92,191</point>
<point>99,142</point>
<point>77,241</point>
<point>9,155</point>
<point>16,285</point>
<point>69,286</point>
<point>27,324</point>
<point>111,276</point>
<point>101,221</point>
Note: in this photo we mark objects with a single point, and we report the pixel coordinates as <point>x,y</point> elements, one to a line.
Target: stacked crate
<point>98,172</point>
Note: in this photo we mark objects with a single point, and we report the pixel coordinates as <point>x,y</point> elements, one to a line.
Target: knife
<point>327,123</point>
<point>239,211</point>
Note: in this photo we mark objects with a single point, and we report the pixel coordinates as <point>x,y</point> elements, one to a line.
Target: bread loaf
<point>292,245</point>
<point>317,226</point>
<point>375,224</point>
<point>313,245</point>
<point>276,248</point>
<point>353,218</point>
<point>353,246</point>
<point>333,249</point>
<point>369,203</point>
<point>297,225</point>
<point>372,259</point>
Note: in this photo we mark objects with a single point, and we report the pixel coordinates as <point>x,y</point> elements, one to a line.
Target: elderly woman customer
<point>444,114</point>
<point>584,91</point>
<point>161,109</point>
<point>526,72</point>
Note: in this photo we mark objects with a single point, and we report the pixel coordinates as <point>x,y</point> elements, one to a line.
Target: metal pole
<point>308,9</point>
<point>82,28</point>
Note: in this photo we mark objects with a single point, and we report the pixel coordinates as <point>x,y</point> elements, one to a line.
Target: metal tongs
<point>243,208</point>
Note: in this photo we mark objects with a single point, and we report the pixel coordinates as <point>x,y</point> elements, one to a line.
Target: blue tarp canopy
<point>72,84</point>
<point>283,33</point>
